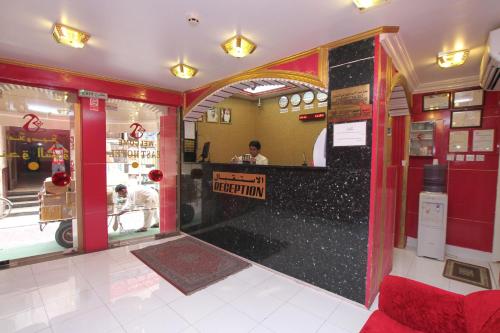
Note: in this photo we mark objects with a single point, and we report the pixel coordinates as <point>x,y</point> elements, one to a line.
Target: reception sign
<point>240,184</point>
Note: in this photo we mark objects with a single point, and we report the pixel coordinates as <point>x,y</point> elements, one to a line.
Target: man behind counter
<point>255,157</point>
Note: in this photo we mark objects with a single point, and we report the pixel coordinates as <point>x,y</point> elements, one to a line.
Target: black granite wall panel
<point>313,224</point>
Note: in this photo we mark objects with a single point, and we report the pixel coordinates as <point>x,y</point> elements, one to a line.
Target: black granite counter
<point>313,223</point>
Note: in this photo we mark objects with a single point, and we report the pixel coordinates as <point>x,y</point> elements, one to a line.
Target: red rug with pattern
<point>190,264</point>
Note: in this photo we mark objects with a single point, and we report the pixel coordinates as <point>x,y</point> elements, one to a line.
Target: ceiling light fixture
<point>70,36</point>
<point>265,88</point>
<point>452,58</point>
<point>365,4</point>
<point>183,71</point>
<point>238,46</point>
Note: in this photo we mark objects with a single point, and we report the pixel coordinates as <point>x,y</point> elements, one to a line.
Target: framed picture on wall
<point>212,115</point>
<point>470,118</point>
<point>468,98</point>
<point>436,102</point>
<point>225,116</point>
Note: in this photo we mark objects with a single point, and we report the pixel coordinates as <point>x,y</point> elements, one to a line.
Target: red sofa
<point>407,306</point>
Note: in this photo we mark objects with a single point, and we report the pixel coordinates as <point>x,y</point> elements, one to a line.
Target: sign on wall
<point>240,184</point>
<point>351,103</point>
<point>349,134</point>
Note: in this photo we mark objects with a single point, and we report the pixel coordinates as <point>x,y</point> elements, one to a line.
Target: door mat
<point>190,264</point>
<point>468,273</point>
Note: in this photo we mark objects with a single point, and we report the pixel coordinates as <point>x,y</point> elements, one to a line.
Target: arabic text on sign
<point>240,184</point>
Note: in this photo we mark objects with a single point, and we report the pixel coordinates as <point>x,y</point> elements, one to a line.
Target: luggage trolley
<point>57,205</point>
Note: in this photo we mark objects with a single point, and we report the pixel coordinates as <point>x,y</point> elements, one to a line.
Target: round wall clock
<point>295,99</point>
<point>308,97</point>
<point>283,102</point>
<point>321,96</point>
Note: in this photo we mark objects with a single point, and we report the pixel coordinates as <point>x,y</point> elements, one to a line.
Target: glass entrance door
<point>37,184</point>
<point>132,155</point>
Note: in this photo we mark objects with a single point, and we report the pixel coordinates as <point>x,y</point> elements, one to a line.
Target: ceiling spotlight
<point>238,46</point>
<point>365,4</point>
<point>183,71</point>
<point>70,36</point>
<point>452,58</point>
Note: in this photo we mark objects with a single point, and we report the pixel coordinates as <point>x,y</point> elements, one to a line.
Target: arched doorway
<point>218,94</point>
<point>399,103</point>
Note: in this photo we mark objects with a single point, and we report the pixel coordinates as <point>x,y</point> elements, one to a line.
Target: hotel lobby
<point>250,167</point>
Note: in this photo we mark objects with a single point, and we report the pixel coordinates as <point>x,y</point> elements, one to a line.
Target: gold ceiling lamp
<point>238,46</point>
<point>365,4</point>
<point>452,58</point>
<point>183,71</point>
<point>70,36</point>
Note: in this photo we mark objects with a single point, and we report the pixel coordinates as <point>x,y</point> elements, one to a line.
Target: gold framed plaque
<point>436,102</point>
<point>351,103</point>
<point>470,118</point>
<point>468,98</point>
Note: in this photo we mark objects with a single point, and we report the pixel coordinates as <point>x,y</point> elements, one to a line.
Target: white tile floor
<point>112,291</point>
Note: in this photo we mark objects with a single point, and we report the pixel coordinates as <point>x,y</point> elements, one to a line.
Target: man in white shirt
<point>140,196</point>
<point>255,156</point>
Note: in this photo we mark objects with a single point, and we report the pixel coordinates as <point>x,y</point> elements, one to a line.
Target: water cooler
<point>433,213</point>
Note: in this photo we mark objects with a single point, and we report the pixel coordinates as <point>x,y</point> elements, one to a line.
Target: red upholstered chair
<point>409,306</point>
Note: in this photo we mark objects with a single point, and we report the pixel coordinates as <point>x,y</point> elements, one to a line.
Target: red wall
<point>471,185</point>
<point>168,164</point>
<point>58,79</point>
<point>93,173</point>
<point>382,196</point>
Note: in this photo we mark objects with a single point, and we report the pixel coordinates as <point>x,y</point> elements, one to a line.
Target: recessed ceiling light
<point>452,58</point>
<point>70,36</point>
<point>365,4</point>
<point>183,71</point>
<point>238,46</point>
<point>266,88</point>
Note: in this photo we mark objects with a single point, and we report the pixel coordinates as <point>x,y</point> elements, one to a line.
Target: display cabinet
<point>422,138</point>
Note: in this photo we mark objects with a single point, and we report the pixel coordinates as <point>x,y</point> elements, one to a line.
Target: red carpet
<point>190,264</point>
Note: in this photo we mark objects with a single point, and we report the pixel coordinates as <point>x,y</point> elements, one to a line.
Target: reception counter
<point>301,226</point>
<point>314,224</point>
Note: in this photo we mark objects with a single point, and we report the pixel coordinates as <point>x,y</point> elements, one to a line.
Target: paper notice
<point>349,134</point>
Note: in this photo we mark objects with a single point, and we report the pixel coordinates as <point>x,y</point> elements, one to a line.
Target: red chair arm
<point>422,307</point>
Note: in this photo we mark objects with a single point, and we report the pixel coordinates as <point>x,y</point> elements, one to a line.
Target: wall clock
<point>308,97</point>
<point>321,96</point>
<point>283,102</point>
<point>295,99</point>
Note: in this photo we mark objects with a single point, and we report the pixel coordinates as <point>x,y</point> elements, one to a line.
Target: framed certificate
<point>459,142</point>
<point>470,118</point>
<point>468,98</point>
<point>436,102</point>
<point>483,140</point>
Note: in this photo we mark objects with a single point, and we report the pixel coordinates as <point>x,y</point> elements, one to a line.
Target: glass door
<point>37,184</point>
<point>132,149</point>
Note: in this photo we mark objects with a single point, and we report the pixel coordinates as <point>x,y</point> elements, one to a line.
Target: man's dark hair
<point>254,143</point>
<point>120,187</point>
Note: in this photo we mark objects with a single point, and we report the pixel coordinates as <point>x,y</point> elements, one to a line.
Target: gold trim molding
<point>270,74</point>
<point>86,75</point>
<point>264,72</point>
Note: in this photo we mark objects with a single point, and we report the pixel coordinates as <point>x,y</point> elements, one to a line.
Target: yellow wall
<point>226,140</point>
<point>282,135</point>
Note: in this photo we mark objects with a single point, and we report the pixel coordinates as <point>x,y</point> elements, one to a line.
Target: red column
<point>168,164</point>
<point>93,175</point>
